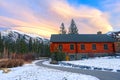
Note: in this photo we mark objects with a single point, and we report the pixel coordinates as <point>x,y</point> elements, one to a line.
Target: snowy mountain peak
<point>13,35</point>
<point>114,34</point>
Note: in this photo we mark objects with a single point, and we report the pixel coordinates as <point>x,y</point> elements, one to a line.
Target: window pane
<point>71,47</point>
<point>94,46</point>
<point>105,46</point>
<point>82,47</point>
<point>60,47</point>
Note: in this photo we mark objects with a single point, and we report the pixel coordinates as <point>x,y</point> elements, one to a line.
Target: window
<point>94,46</point>
<point>60,47</point>
<point>82,47</point>
<point>71,47</point>
<point>105,47</point>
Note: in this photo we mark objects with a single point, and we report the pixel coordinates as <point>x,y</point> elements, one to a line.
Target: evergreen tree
<point>6,46</point>
<point>17,46</point>
<point>1,46</point>
<point>11,47</point>
<point>73,28</point>
<point>62,29</point>
<point>22,46</point>
<point>35,46</point>
<point>30,45</point>
<point>58,56</point>
<point>47,50</point>
<point>39,46</point>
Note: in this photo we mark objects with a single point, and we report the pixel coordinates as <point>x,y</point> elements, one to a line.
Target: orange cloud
<point>43,29</point>
<point>47,19</point>
<point>94,17</point>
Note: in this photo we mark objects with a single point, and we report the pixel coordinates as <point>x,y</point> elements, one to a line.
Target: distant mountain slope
<point>13,35</point>
<point>114,34</point>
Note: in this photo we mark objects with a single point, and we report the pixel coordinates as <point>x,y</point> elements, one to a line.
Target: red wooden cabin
<point>81,45</point>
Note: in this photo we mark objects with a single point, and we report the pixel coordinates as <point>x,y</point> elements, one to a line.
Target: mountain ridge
<point>13,35</point>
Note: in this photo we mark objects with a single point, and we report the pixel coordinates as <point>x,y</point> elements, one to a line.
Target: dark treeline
<point>22,47</point>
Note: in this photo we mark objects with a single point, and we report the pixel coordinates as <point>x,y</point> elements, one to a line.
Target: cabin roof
<point>81,38</point>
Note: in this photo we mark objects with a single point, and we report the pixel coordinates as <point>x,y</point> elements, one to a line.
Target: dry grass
<point>3,60</point>
<point>9,63</point>
<point>27,62</point>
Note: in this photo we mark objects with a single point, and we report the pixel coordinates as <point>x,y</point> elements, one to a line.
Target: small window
<point>82,47</point>
<point>105,47</point>
<point>94,46</point>
<point>71,47</point>
<point>60,47</point>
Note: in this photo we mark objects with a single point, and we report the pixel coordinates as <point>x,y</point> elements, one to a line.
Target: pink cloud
<point>112,7</point>
<point>47,19</point>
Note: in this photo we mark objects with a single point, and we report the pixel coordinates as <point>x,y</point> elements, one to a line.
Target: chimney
<point>99,32</point>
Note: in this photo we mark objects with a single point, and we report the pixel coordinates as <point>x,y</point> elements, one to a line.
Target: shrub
<point>58,56</point>
<point>29,57</point>
<point>21,62</point>
<point>106,69</point>
<point>96,68</point>
<point>15,63</point>
<point>2,64</point>
<point>118,70</point>
<point>53,62</point>
<point>11,63</point>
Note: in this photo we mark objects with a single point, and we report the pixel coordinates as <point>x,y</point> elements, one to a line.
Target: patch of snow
<point>13,35</point>
<point>103,62</point>
<point>6,32</point>
<point>31,35</point>
<point>33,72</point>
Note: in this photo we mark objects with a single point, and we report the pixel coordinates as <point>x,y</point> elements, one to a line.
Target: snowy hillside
<point>13,35</point>
<point>114,34</point>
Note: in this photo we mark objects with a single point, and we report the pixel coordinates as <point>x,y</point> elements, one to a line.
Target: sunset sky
<point>44,17</point>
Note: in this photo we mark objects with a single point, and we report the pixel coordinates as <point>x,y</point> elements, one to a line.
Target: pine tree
<point>62,29</point>
<point>24,46</point>
<point>1,46</point>
<point>73,28</point>
<point>11,48</point>
<point>35,46</point>
<point>30,45</point>
<point>47,50</point>
<point>18,46</point>
<point>39,46</point>
<point>6,46</point>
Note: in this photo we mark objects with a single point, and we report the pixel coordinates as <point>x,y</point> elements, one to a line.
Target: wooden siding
<point>88,47</point>
<point>117,47</point>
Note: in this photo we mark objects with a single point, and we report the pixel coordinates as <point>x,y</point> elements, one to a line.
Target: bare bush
<point>11,63</point>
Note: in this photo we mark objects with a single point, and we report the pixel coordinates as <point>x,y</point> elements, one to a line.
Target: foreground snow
<point>103,62</point>
<point>33,72</point>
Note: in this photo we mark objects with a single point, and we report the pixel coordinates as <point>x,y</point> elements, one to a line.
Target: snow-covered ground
<point>33,72</point>
<point>103,62</point>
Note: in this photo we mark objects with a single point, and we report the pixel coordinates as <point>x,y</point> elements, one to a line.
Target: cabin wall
<point>117,47</point>
<point>88,47</point>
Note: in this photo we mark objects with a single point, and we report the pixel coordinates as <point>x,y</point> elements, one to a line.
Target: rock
<point>6,70</point>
